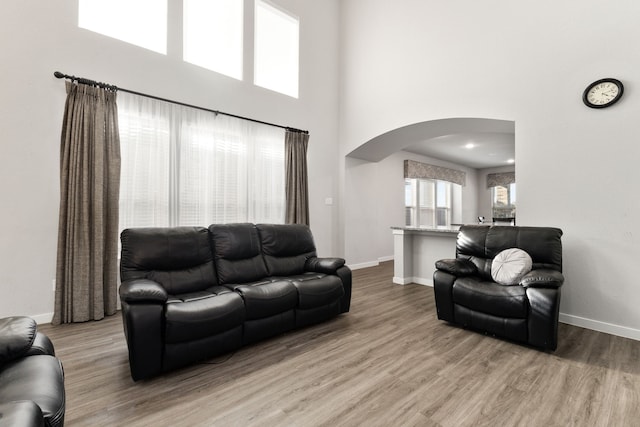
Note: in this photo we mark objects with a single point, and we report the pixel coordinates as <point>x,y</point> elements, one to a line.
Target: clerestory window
<point>276,49</point>
<point>213,35</point>
<point>139,22</point>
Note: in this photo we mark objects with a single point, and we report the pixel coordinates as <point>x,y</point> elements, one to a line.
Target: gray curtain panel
<point>87,268</point>
<point>296,181</point>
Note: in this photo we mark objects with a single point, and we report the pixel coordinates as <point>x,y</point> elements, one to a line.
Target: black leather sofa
<point>526,312</point>
<point>31,377</point>
<point>191,293</point>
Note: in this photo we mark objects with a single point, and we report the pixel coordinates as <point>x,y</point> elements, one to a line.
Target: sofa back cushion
<point>286,248</point>
<point>481,243</point>
<point>178,258</point>
<point>237,254</point>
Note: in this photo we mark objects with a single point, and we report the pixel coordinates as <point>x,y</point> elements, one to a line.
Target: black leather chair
<point>527,312</point>
<point>31,377</point>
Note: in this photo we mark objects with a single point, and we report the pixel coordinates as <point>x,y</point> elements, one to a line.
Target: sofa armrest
<point>41,345</point>
<point>542,278</point>
<point>458,267</point>
<point>143,291</point>
<point>16,337</point>
<point>323,265</point>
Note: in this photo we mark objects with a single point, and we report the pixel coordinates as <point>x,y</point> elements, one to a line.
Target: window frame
<point>507,210</point>
<point>422,213</point>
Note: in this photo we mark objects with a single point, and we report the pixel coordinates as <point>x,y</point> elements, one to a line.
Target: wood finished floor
<point>389,362</point>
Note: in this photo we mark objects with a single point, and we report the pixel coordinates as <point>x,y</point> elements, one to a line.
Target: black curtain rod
<point>107,86</point>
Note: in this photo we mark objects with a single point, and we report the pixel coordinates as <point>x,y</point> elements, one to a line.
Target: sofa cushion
<point>237,253</point>
<point>198,315</point>
<point>510,265</point>
<point>481,244</point>
<point>265,299</point>
<point>178,258</point>
<point>38,378</point>
<point>286,248</point>
<point>491,298</point>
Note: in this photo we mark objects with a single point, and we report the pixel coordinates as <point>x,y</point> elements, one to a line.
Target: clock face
<point>603,93</point>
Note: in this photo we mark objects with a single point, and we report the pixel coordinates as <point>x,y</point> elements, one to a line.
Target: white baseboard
<point>42,318</point>
<point>416,280</point>
<point>370,263</point>
<point>363,265</point>
<point>596,325</point>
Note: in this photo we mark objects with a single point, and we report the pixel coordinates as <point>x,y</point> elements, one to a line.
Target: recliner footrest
<point>200,318</point>
<point>318,291</point>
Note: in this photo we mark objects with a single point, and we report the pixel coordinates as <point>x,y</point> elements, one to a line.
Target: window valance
<point>413,169</point>
<point>502,178</point>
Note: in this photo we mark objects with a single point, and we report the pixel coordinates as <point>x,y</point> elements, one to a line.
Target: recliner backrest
<point>237,253</point>
<point>481,244</point>
<point>178,258</point>
<point>286,248</point>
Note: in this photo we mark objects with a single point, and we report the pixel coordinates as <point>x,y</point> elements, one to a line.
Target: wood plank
<point>387,362</point>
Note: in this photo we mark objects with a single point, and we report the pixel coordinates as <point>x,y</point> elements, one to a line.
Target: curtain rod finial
<point>58,74</point>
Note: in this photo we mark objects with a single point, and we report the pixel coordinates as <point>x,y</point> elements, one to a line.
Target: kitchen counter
<point>439,229</point>
<point>416,250</point>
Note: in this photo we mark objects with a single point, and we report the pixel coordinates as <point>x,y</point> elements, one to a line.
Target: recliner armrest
<point>323,265</point>
<point>143,291</point>
<point>542,278</point>
<point>458,267</point>
<point>41,345</point>
<point>17,334</point>
<point>21,413</point>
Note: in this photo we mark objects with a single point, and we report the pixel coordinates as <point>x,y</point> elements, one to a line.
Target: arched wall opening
<point>374,176</point>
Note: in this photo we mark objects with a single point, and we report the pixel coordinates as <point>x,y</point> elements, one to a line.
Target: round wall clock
<point>603,93</point>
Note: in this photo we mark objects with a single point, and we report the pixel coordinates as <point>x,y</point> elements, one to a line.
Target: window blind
<point>184,166</point>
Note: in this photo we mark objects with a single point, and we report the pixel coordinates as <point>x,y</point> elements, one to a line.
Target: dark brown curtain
<point>296,181</point>
<point>86,270</point>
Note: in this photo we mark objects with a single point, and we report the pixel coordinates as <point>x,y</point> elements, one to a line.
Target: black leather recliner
<point>191,293</point>
<point>527,312</point>
<point>31,377</point>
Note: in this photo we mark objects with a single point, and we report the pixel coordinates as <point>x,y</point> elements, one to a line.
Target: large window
<point>276,49</point>
<point>213,35</point>
<point>183,166</point>
<point>428,202</point>
<point>139,22</point>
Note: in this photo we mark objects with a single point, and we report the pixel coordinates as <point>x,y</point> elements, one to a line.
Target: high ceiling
<point>472,142</point>
<point>475,150</point>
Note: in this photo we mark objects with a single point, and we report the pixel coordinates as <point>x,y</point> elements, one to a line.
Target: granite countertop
<point>438,229</point>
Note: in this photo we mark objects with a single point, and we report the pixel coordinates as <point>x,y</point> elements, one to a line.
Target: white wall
<point>529,61</point>
<point>40,37</point>
<point>375,203</point>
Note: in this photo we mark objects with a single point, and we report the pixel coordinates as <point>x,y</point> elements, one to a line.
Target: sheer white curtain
<point>184,166</point>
